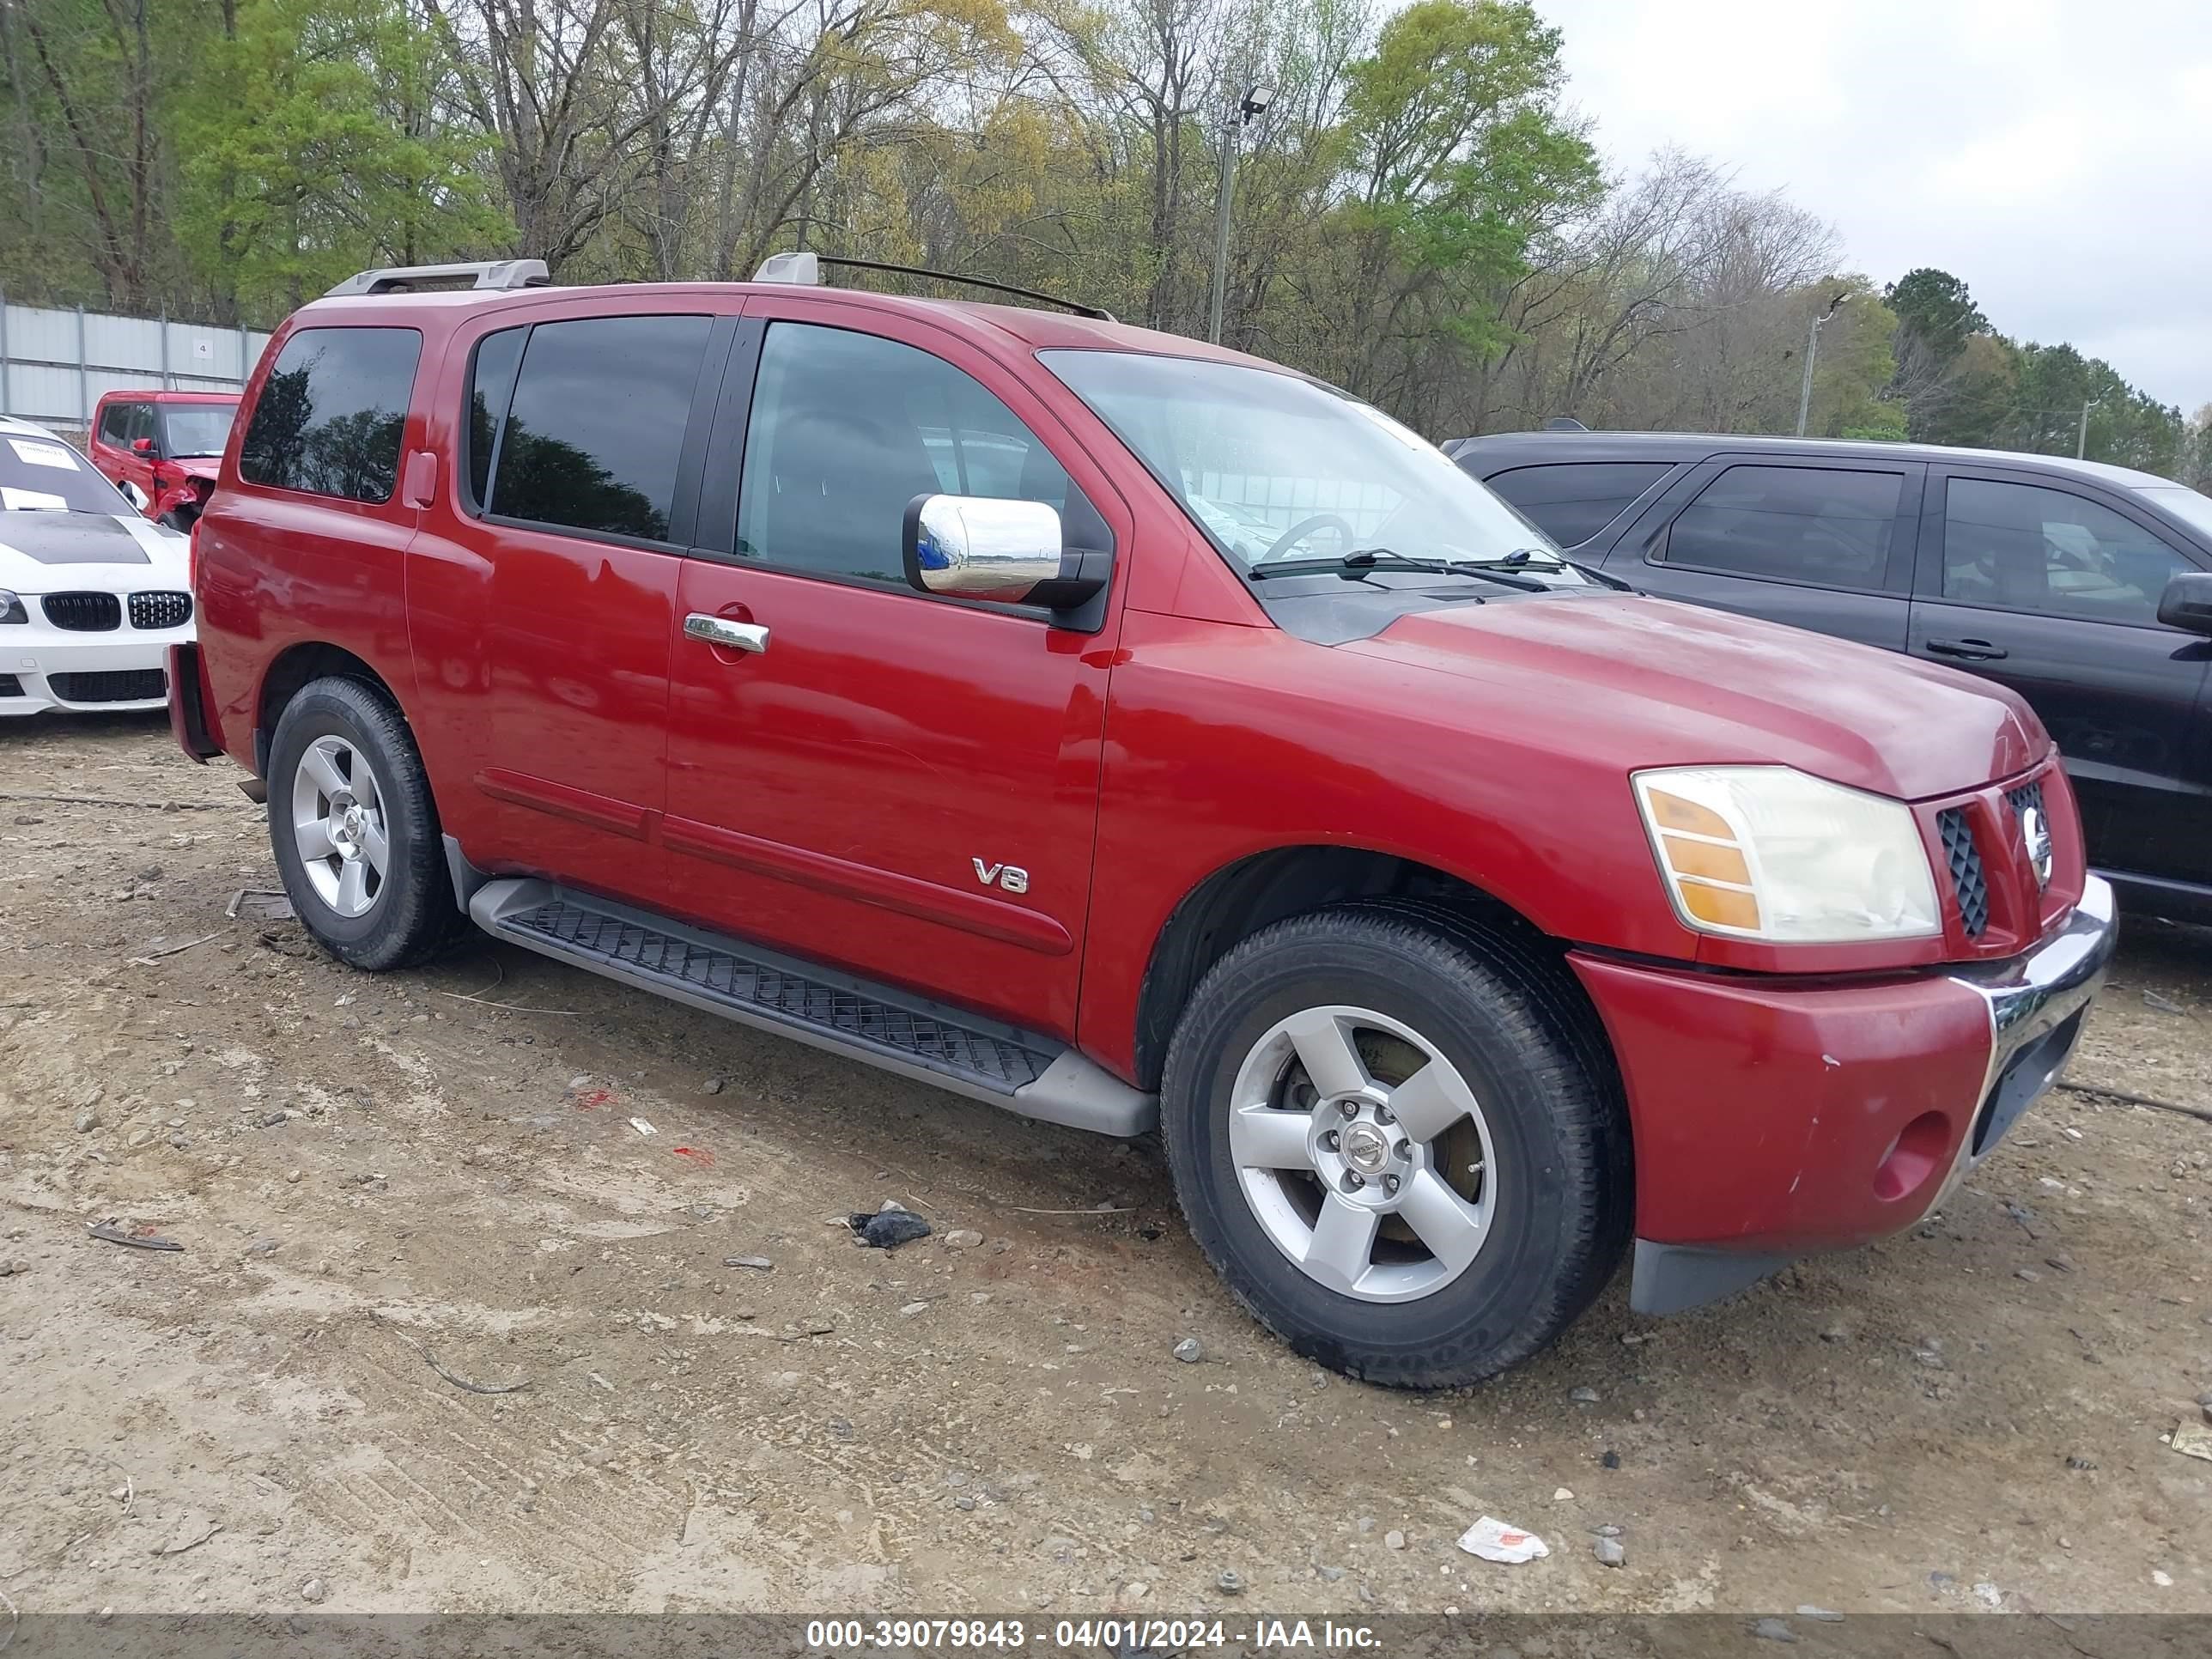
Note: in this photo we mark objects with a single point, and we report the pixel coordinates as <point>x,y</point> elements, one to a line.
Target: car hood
<point>57,552</point>
<point>1650,682</point>
<point>198,466</point>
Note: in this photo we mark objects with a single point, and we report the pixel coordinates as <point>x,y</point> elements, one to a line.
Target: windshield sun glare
<point>1280,471</point>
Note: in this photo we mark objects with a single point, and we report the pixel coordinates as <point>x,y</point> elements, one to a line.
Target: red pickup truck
<point>1136,734</point>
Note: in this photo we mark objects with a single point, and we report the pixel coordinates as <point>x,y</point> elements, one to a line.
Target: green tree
<point>1936,307</point>
<point>1461,160</point>
<point>307,152</point>
<point>90,83</point>
<point>1968,404</point>
<point>1936,321</point>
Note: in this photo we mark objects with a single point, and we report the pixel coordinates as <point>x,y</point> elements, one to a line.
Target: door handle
<point>720,630</point>
<point>1967,650</point>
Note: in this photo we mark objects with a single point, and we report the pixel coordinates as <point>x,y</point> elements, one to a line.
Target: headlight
<point>1766,852</point>
<point>11,608</point>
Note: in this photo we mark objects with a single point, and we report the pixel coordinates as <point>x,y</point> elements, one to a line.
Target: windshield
<point>196,428</point>
<point>2186,504</point>
<point>1280,471</point>
<point>40,474</point>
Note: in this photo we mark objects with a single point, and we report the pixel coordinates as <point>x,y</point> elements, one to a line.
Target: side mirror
<point>1001,552</point>
<point>2187,602</point>
<point>141,446</point>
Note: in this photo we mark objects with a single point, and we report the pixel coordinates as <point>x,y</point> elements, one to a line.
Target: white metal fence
<point>54,364</point>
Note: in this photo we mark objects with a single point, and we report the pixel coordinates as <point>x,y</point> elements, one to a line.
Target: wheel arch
<point>1262,889</point>
<point>290,671</point>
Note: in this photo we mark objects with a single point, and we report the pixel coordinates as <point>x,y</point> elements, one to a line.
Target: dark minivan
<point>2087,588</point>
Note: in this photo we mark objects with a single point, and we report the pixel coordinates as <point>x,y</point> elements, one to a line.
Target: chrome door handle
<point>720,630</point>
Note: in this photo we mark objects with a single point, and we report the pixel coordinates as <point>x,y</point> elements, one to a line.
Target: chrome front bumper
<point>2036,1002</point>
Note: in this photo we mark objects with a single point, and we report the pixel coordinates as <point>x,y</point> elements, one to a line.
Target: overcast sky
<point>2056,154</point>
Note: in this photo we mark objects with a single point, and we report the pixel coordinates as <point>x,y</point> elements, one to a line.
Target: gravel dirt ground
<point>398,1195</point>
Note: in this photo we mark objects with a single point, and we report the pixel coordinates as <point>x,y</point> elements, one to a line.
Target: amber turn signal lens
<point>1673,812</point>
<point>1721,906</point>
<point>1705,857</point>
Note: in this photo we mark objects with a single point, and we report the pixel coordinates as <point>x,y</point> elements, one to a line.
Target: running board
<point>911,1036</point>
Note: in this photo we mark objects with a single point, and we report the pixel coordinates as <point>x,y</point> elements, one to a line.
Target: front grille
<point>2028,794</point>
<point>1966,860</point>
<point>160,610</point>
<point>10,686</point>
<point>84,613</point>
<point>113,685</point>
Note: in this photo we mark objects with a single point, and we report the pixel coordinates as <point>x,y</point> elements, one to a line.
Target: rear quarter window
<point>329,418</point>
<point>1571,502</point>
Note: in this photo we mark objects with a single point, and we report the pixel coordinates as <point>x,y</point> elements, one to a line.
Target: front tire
<point>1398,1134</point>
<point>354,829</point>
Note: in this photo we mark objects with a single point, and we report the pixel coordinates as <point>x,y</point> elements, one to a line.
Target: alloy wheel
<point>338,824</point>
<point>1363,1152</point>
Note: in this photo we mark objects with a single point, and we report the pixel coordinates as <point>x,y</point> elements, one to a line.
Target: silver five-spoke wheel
<point>337,822</point>
<point>1363,1152</point>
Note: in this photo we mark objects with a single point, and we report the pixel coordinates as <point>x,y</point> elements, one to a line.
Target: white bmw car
<point>92,594</point>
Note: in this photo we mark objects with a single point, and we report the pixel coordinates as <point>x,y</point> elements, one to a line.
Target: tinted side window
<point>848,428</point>
<point>329,417</point>
<point>1803,523</point>
<point>1572,502</point>
<point>114,423</point>
<point>491,385</point>
<point>141,423</point>
<point>2027,548</point>
<point>596,426</point>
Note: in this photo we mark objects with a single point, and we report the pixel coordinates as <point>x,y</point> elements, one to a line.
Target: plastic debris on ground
<point>259,904</point>
<point>1493,1541</point>
<point>144,1239</point>
<point>2193,1440</point>
<point>643,1126</point>
<point>888,1229</point>
<point>698,1155</point>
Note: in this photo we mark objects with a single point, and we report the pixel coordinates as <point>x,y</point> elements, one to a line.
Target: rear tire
<point>1398,1133</point>
<point>355,828</point>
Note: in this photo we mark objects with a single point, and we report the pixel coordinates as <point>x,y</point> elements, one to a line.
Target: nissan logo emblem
<point>2035,835</point>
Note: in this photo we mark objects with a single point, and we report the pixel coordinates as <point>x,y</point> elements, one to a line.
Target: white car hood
<point>45,552</point>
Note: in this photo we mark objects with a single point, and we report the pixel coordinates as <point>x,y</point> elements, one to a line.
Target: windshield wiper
<point>1354,566</point>
<point>1368,557</point>
<point>1539,558</point>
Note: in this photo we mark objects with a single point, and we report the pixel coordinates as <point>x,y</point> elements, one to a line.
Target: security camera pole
<point>1255,102</point>
<point>1812,351</point>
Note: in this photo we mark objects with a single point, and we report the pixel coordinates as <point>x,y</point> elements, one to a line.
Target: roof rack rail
<point>485,273</point>
<point>805,268</point>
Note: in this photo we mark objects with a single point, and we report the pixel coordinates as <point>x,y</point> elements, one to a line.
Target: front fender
<point>172,498</point>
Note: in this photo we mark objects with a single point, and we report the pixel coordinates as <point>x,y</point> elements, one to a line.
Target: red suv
<point>162,448</point>
<point>1130,733</point>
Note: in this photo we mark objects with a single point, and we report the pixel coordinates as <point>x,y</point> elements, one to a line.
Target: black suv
<point>2086,588</point>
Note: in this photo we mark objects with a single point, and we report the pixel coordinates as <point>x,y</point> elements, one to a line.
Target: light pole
<point>2082,444</point>
<point>1256,101</point>
<point>1812,351</point>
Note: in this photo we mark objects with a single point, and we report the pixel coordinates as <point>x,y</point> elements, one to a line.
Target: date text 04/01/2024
<point>1112,1635</point>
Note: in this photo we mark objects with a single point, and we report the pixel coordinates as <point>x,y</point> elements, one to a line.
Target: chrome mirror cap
<point>976,547</point>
